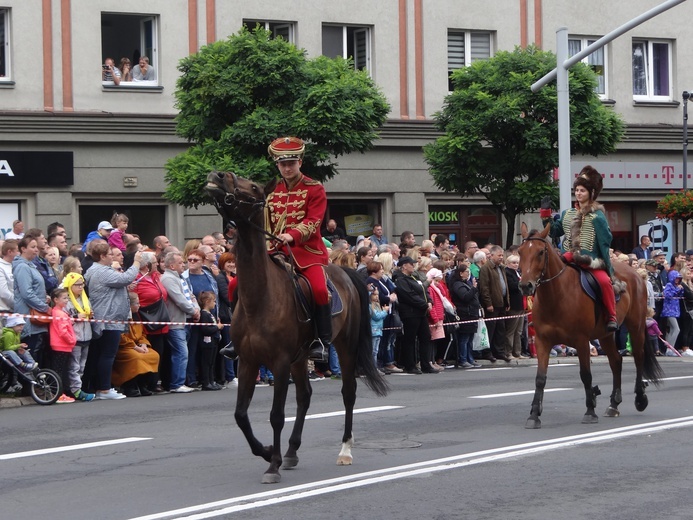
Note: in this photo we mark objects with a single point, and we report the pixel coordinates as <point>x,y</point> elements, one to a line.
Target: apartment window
<point>466,47</point>
<point>348,42</point>
<point>5,43</point>
<point>652,70</point>
<point>278,29</point>
<point>131,37</point>
<point>596,61</point>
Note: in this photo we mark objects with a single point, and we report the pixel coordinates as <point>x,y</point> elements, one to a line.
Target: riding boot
<point>229,352</point>
<point>608,299</point>
<point>323,324</point>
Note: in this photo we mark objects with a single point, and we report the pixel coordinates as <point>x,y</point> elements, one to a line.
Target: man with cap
<point>587,236</point>
<point>103,230</point>
<point>295,210</point>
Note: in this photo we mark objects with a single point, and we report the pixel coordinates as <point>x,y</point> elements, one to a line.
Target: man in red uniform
<point>294,213</point>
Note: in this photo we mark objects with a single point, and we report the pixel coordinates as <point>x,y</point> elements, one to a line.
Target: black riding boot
<point>323,323</point>
<point>229,352</point>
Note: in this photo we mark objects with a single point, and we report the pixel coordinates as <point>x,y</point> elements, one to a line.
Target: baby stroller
<point>45,386</point>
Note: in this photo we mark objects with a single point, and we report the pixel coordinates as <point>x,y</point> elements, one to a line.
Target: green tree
<point>236,96</point>
<point>501,139</point>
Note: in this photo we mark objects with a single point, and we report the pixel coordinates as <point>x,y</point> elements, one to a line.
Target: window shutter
<point>361,49</point>
<point>481,46</point>
<point>455,50</point>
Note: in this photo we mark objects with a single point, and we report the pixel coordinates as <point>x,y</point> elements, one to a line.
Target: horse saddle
<point>302,286</point>
<point>590,285</point>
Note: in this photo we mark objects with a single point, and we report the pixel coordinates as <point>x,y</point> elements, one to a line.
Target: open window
<point>284,30</point>
<point>348,42</point>
<point>652,70</point>
<point>130,38</point>
<point>5,70</point>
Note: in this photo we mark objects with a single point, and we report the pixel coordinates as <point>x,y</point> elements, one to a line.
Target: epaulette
<point>310,182</point>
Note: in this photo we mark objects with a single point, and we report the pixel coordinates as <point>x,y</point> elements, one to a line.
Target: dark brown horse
<point>271,328</point>
<point>564,314</point>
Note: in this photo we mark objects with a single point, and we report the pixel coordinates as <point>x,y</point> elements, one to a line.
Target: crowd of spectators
<point>429,306</point>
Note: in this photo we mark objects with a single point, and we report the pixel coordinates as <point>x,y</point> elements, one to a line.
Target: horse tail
<point>364,354</point>
<point>652,371</point>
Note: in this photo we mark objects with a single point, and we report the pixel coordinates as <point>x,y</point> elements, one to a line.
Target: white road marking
<point>341,413</point>
<point>73,447</point>
<point>675,378</point>
<point>312,489</point>
<point>511,394</point>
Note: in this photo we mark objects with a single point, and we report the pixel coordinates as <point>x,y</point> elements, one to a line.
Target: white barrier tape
<point>462,322</point>
<point>93,320</point>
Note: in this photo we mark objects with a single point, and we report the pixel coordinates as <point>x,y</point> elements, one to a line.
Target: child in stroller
<point>13,348</point>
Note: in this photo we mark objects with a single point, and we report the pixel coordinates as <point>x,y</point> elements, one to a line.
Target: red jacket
<point>151,290</point>
<point>62,335</point>
<point>299,212</point>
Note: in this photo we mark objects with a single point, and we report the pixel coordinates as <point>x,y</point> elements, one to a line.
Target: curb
<point>15,402</point>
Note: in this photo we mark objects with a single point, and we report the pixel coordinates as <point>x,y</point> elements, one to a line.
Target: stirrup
<point>318,351</point>
<point>612,326</point>
<point>229,352</point>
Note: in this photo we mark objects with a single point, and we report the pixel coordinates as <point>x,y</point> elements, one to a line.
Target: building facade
<point>74,148</point>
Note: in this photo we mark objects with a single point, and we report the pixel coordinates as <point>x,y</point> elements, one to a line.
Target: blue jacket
<point>672,293</point>
<point>29,292</point>
<point>377,319</point>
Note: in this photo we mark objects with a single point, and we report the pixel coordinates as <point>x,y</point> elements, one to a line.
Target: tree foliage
<point>501,139</point>
<point>236,96</point>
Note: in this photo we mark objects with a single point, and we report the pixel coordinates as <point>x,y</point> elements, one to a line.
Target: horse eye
<point>254,188</point>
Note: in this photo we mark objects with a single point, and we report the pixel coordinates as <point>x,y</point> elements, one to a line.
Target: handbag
<point>395,322</point>
<point>39,318</point>
<point>157,311</point>
<point>481,341</point>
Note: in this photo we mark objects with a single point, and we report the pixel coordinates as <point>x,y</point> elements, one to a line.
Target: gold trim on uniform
<point>587,235</point>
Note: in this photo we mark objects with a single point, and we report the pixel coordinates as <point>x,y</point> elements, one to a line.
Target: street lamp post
<point>685,96</point>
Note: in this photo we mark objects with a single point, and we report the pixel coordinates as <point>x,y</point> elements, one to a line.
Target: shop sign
<point>356,225</point>
<point>32,169</point>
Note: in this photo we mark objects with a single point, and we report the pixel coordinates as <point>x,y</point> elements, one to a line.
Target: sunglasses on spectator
<point>194,259</point>
<point>77,285</point>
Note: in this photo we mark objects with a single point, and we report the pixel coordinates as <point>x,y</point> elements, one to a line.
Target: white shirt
<point>12,234</point>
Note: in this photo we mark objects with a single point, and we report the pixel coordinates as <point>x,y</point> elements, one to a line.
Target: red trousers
<point>316,277</point>
<point>604,280</point>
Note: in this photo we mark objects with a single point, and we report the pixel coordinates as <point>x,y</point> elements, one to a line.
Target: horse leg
<point>277,419</point>
<point>616,363</point>
<point>637,341</point>
<point>247,372</point>
<point>543,348</point>
<point>349,398</point>
<point>591,392</point>
<point>303,395</point>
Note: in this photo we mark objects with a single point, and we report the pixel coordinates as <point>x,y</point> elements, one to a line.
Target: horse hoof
<point>271,478</point>
<point>641,403</point>
<point>612,412</point>
<point>290,462</point>
<point>343,460</point>
<point>533,424</point>
<point>590,419</point>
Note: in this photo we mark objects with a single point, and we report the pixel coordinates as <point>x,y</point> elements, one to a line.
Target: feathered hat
<point>590,179</point>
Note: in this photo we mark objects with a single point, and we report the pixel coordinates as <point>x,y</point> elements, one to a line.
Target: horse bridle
<point>541,280</point>
<point>234,201</point>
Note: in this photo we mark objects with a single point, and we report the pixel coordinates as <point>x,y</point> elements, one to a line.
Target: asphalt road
<point>439,446</point>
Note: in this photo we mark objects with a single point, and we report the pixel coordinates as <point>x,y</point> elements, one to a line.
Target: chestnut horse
<point>270,327</point>
<point>563,314</point>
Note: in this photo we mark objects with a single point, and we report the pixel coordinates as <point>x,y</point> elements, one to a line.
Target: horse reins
<point>234,201</point>
<point>541,280</point>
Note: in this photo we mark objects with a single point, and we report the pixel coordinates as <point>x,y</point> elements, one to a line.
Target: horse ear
<point>269,187</point>
<point>524,231</point>
<point>545,233</point>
